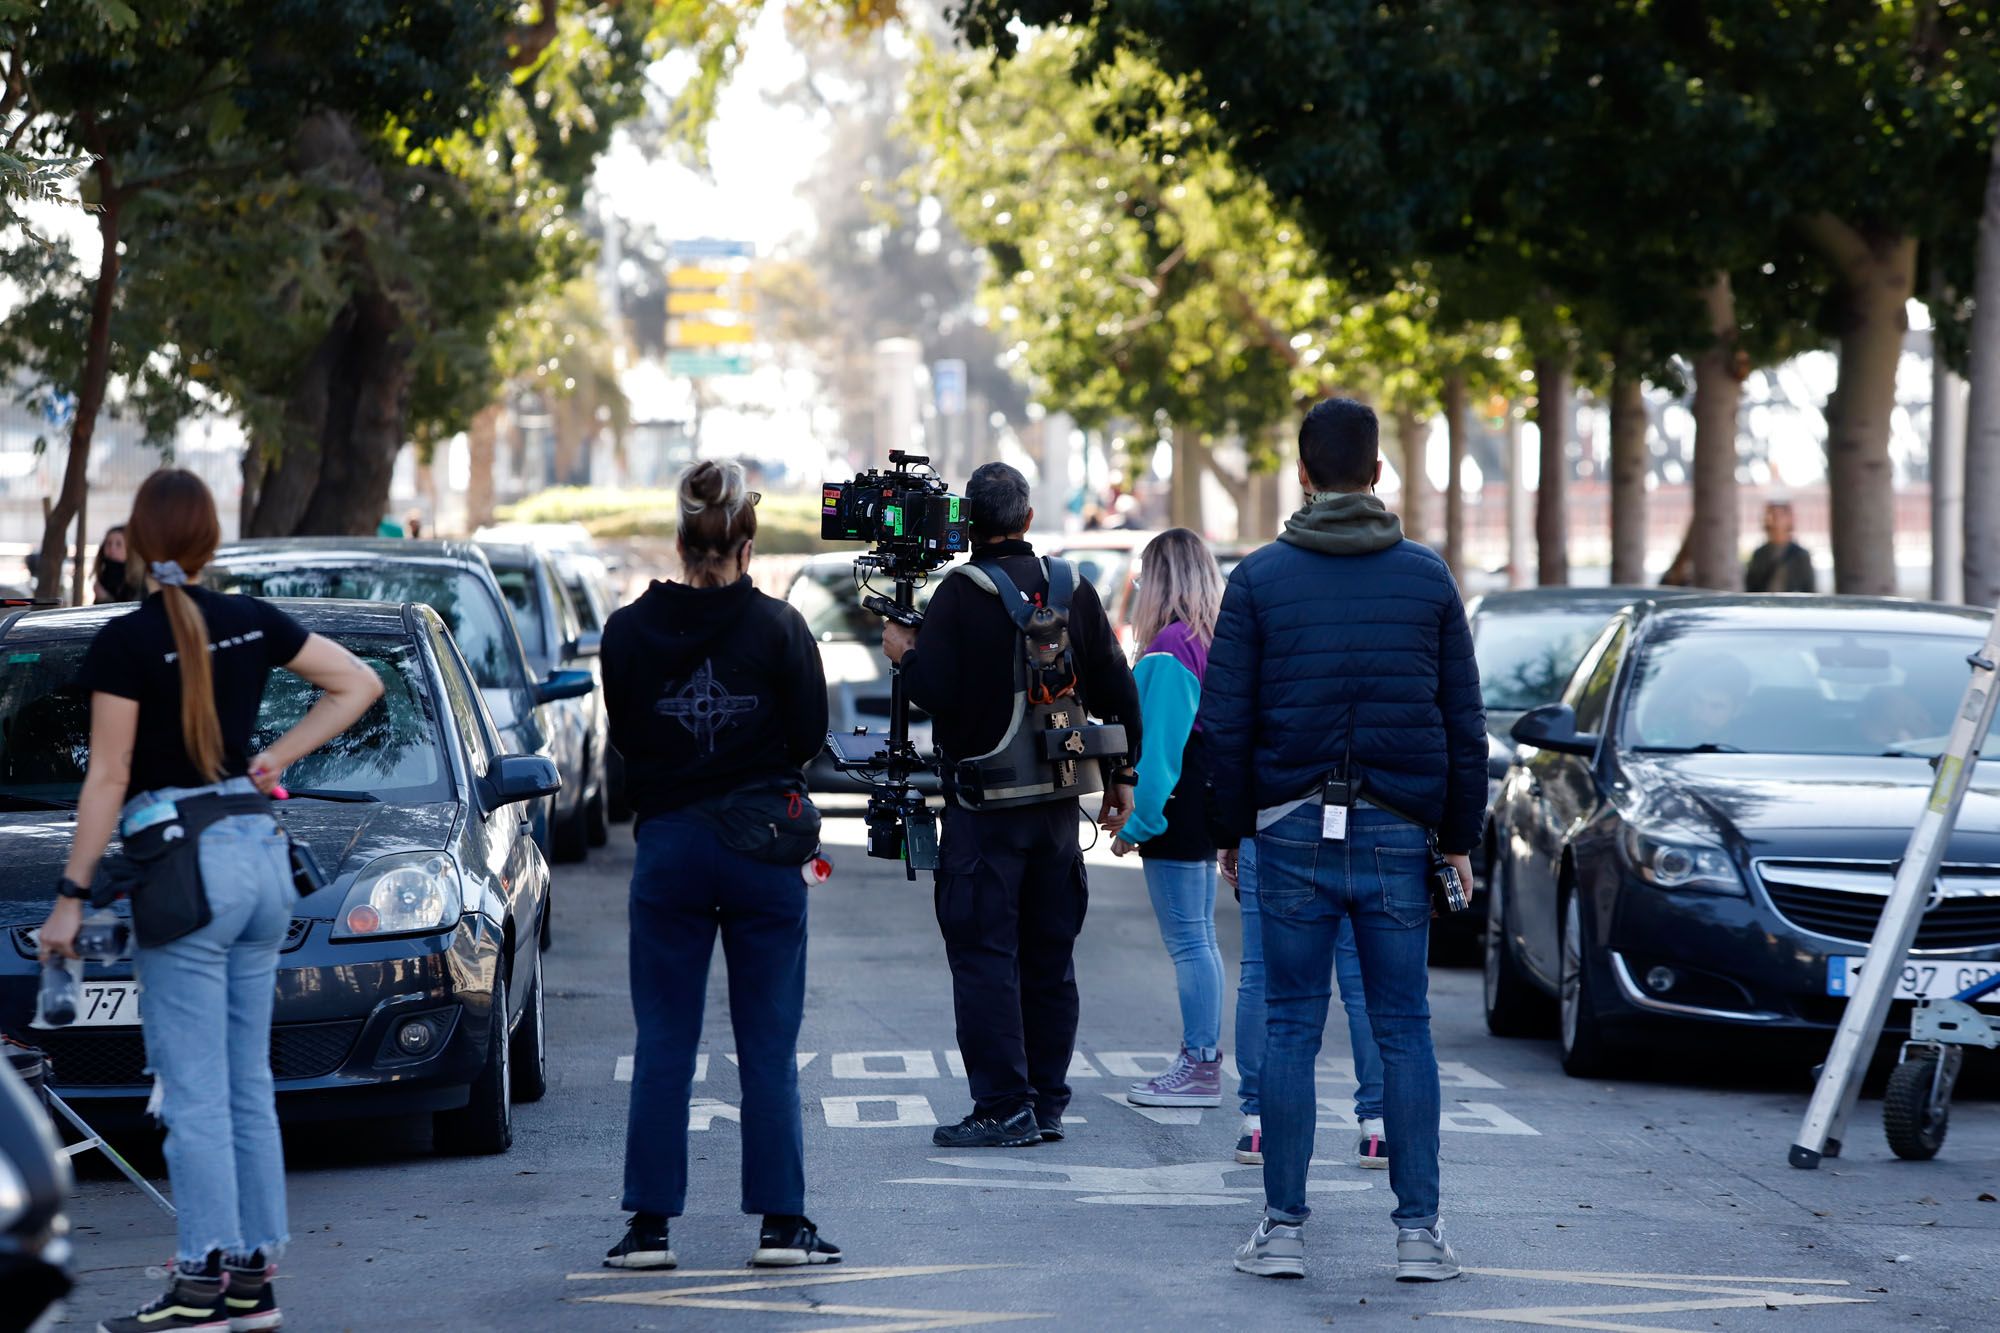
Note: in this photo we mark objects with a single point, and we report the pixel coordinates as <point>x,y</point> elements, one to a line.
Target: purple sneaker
<point>1186,1082</point>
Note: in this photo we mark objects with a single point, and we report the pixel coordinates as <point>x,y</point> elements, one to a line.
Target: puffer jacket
<point>1341,627</point>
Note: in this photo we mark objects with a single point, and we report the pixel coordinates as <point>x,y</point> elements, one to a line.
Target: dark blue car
<point>412,982</point>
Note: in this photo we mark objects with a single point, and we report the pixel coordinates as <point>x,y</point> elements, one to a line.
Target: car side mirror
<point>564,685</point>
<point>587,644</point>
<point>514,778</point>
<point>1553,727</point>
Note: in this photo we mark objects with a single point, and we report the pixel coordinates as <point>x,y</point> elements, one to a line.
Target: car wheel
<point>1586,1048</point>
<point>548,934</point>
<point>572,836</point>
<point>530,1053</point>
<point>1514,1007</point>
<point>596,827</point>
<point>1914,1127</point>
<point>485,1124</point>
<point>614,788</point>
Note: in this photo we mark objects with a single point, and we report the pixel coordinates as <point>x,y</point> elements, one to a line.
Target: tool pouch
<point>160,868</point>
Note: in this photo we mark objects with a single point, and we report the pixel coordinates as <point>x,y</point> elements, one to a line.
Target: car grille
<point>116,1057</point>
<point>295,935</point>
<point>1845,899</point>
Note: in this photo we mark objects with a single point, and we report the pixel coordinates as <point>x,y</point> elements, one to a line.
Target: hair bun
<point>711,483</point>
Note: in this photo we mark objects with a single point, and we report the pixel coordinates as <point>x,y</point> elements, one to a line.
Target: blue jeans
<point>205,1000</point>
<point>1183,894</point>
<point>687,887</point>
<point>1251,1014</point>
<point>1378,878</point>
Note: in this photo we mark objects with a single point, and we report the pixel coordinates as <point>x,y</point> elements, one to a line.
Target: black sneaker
<point>792,1242</point>
<point>1018,1130</point>
<point>1372,1151</point>
<point>250,1296</point>
<point>193,1301</point>
<point>1051,1125</point>
<point>644,1246</point>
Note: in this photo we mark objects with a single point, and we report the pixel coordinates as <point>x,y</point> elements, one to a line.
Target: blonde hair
<point>718,516</point>
<point>1178,580</point>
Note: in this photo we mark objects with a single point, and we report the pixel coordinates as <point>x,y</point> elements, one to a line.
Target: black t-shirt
<point>133,657</point>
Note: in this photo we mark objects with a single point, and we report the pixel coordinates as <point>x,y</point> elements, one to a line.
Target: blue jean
<point>687,887</point>
<point>1251,1013</point>
<point>1378,878</point>
<point>1183,894</point>
<point>205,1000</point>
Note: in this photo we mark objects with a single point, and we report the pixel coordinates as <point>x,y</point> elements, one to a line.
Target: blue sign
<point>948,383</point>
<point>701,365</point>
<point>709,247</point>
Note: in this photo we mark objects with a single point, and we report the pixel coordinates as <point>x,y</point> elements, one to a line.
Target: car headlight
<point>406,894</point>
<point>1679,863</point>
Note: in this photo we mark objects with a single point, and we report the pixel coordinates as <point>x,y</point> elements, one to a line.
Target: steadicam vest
<point>1049,752</point>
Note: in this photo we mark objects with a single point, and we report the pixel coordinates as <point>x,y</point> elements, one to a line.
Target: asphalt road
<point>1661,1202</point>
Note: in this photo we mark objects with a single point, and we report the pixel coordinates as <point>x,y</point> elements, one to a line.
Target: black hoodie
<point>710,690</point>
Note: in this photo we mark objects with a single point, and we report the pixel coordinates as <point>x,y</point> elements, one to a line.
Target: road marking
<point>908,1064</point>
<point>703,1295</point>
<point>1191,1184</point>
<point>1721,1293</point>
<point>1484,1118</point>
<point>907,1111</point>
<point>1159,1115</point>
<point>1125,1064</point>
<point>802,1058</point>
<point>703,1112</point>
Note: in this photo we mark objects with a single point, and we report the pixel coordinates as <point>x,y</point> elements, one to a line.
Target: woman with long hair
<point>718,702</point>
<point>175,687</point>
<point>1180,593</point>
<point>109,581</point>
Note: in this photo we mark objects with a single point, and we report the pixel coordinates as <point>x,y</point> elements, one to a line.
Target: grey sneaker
<point>1186,1082</point>
<point>1423,1256</point>
<point>1274,1249</point>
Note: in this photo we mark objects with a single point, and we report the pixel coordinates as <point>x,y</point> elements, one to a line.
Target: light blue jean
<point>1183,894</point>
<point>205,1005</point>
<point>1251,1013</point>
<point>1378,877</point>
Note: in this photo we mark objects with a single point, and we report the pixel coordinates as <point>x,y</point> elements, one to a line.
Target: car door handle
<point>1534,786</point>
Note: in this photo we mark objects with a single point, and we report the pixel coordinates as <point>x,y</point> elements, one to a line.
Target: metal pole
<point>92,1139</point>
<point>1861,1024</point>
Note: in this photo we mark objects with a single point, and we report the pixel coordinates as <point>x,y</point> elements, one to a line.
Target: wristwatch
<point>69,888</point>
<point>1126,777</point>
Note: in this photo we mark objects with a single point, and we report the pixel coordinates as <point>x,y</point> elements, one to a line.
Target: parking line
<point>1713,1293</point>
<point>707,1296</point>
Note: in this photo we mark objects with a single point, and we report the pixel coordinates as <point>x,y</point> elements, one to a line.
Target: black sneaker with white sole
<point>792,1242</point>
<point>1018,1130</point>
<point>192,1303</point>
<point>643,1246</point>
<point>250,1295</point>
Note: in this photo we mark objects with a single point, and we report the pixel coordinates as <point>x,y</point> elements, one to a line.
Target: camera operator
<point>1343,719</point>
<point>1010,884</point>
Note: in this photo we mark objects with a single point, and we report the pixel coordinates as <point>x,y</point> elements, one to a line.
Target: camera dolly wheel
<point>1916,1106</point>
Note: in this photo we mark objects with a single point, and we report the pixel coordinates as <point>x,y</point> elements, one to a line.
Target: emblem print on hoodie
<point>704,706</point>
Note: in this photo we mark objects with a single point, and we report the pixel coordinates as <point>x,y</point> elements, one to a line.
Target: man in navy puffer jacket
<point>1343,653</point>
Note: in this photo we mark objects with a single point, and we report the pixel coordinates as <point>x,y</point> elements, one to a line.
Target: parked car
<point>413,980</point>
<point>1704,829</point>
<point>555,641</point>
<point>857,675</point>
<point>593,593</point>
<point>1109,558</point>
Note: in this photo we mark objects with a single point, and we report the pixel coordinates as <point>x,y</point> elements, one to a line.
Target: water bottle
<point>816,870</point>
<point>58,996</point>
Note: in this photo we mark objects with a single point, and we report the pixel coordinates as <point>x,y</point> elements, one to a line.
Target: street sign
<point>695,333</point>
<point>692,303</point>
<point>702,365</point>
<point>948,383</point>
<point>709,247</point>
<point>681,279</point>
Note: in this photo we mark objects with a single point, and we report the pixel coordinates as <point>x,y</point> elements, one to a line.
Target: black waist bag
<point>776,824</point>
<point>161,868</point>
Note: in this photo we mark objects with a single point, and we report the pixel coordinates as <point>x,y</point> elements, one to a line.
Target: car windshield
<point>394,752</point>
<point>518,587</point>
<point>460,596</point>
<point>1526,657</point>
<point>1797,692</point>
<point>826,596</point>
<point>586,609</point>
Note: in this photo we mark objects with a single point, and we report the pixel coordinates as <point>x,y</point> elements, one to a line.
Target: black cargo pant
<point>1010,902</point>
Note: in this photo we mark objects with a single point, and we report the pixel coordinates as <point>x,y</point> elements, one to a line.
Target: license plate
<point>107,1004</point>
<point>1919,980</point>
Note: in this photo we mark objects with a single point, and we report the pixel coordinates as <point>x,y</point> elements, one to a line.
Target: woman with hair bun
<point>718,702</point>
<point>175,686</point>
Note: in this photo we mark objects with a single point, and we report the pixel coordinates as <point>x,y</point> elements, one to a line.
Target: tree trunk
<point>364,425</point>
<point>1718,389</point>
<point>1260,516</point>
<point>1982,412</point>
<point>1551,518</point>
<point>1877,278</point>
<point>1454,487</point>
<point>1517,505</point>
<point>89,393</point>
<point>481,438</point>
<point>1947,469</point>
<point>1630,463</point>
<point>1413,433</point>
<point>1184,486</point>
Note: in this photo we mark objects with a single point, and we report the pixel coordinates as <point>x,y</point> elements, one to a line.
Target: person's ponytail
<point>174,531</point>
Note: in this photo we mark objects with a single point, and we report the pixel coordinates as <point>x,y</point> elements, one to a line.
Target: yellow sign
<point>691,333</point>
<point>689,303</point>
<point>698,277</point>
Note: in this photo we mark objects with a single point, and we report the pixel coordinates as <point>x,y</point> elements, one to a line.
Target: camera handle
<point>900,826</point>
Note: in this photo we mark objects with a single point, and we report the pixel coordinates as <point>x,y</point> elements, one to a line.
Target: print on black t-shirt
<point>705,706</point>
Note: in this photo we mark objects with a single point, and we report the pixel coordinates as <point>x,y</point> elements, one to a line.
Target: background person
<point>1342,648</point>
<point>1780,564</point>
<point>1011,891</point>
<point>715,691</point>
<point>110,578</point>
<point>1179,593</point>
<point>174,691</point>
